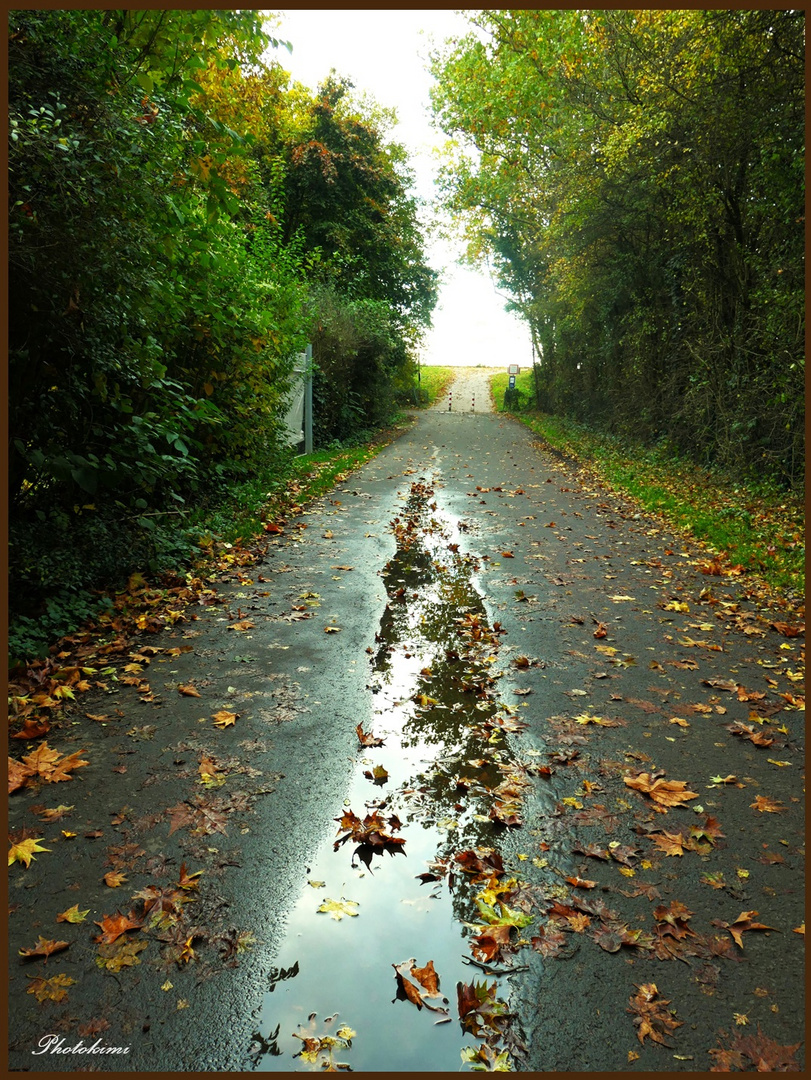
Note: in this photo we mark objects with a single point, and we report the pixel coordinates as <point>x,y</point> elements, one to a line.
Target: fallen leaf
<point>114,957</point>
<point>24,851</point>
<point>420,986</point>
<point>766,805</point>
<point>44,948</point>
<point>189,691</point>
<point>665,792</point>
<point>113,926</point>
<point>652,1019</point>
<point>338,908</point>
<point>53,989</point>
<point>73,915</point>
<point>741,924</point>
<point>367,740</point>
<point>480,1011</point>
<point>485,1059</point>
<point>224,719</point>
<point>114,878</point>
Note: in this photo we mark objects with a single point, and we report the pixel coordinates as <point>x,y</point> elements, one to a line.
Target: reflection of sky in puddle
<point>345,966</point>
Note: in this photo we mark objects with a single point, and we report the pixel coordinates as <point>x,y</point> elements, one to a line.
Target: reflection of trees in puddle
<point>435,652</point>
<point>441,754</point>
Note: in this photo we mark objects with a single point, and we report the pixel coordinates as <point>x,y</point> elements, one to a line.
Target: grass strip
<point>434,381</point>
<point>754,524</point>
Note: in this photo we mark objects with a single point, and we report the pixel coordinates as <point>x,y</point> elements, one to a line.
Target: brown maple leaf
<point>490,942</point>
<point>710,830</point>
<point>92,1027</point>
<point>45,764</point>
<point>480,1011</point>
<point>651,1017</point>
<point>766,805</point>
<point>741,924</point>
<point>759,738</point>
<point>664,792</point>
<point>44,948</point>
<point>481,862</point>
<point>669,843</point>
<point>646,889</point>
<point>787,630</point>
<point>548,942</point>
<point>367,740</point>
<point>766,1054</point>
<point>579,922</point>
<point>418,985</point>
<point>369,833</point>
<point>34,727</point>
<point>113,926</point>
<point>672,919</point>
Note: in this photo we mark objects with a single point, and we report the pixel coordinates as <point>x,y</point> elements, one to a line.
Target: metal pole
<point>308,400</point>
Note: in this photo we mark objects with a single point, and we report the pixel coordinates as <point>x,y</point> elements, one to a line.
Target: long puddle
<point>409,899</point>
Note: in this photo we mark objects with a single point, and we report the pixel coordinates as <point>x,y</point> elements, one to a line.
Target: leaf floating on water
<point>367,739</point>
<point>420,986</point>
<point>336,909</point>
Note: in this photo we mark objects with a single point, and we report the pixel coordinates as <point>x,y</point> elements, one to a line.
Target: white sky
<point>385,53</point>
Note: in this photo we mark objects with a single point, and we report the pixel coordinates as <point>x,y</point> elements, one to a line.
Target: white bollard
<point>450,397</point>
<point>473,404</point>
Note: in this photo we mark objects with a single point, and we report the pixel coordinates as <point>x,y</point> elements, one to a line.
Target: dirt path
<point>546,671</point>
<point>469,393</point>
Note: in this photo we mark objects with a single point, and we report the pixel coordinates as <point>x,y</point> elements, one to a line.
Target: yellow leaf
<point>24,851</point>
<point>50,989</point>
<point>73,915</point>
<point>338,908</point>
<point>224,719</point>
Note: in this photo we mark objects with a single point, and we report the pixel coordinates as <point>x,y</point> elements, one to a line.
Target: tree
<point>638,176</point>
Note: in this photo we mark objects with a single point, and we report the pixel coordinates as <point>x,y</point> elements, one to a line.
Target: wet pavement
<point>531,665</point>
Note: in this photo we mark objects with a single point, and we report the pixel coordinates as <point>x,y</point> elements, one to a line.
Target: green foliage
<point>434,381</point>
<point>359,359</point>
<point>638,178</point>
<point>161,281</point>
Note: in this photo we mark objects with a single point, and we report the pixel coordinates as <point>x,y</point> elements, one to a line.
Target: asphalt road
<point>586,589</point>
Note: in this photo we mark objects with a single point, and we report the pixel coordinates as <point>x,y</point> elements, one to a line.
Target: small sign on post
<point>512,382</point>
<point>513,369</point>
